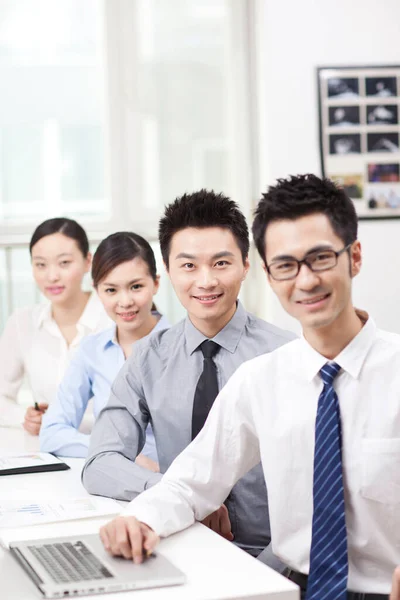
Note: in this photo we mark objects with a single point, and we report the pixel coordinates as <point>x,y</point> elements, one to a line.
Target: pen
<point>37,406</point>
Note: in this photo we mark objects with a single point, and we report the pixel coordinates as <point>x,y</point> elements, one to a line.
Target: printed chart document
<point>36,512</point>
<point>34,462</point>
<point>19,521</point>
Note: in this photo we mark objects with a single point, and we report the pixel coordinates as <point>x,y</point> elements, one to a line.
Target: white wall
<point>297,37</point>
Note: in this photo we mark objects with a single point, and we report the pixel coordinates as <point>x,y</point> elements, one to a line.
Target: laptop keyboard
<point>66,562</point>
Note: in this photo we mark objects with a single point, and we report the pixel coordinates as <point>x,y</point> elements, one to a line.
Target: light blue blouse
<point>89,377</point>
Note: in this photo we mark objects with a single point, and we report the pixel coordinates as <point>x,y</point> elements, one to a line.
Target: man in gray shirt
<point>204,242</point>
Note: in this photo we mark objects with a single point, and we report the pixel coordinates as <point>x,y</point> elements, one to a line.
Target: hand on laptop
<point>395,593</point>
<point>219,522</point>
<point>128,537</point>
<point>33,418</point>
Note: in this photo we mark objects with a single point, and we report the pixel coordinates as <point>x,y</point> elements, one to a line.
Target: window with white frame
<point>112,109</point>
<point>51,110</point>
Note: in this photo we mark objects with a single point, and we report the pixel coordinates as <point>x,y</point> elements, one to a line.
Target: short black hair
<point>63,225</point>
<point>203,209</point>
<point>301,195</point>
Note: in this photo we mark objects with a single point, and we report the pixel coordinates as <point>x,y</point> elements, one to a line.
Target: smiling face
<point>58,267</point>
<point>206,270</point>
<point>317,300</point>
<point>127,295</point>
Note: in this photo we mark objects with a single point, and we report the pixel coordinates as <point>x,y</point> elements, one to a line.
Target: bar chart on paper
<point>29,509</point>
<point>20,514</point>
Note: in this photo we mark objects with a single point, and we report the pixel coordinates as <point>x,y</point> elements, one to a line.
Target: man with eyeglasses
<point>321,258</point>
<point>322,413</point>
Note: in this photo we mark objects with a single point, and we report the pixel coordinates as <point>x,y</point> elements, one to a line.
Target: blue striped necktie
<point>328,559</point>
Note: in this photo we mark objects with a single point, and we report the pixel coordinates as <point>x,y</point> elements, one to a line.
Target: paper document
<point>33,462</point>
<point>21,514</point>
<point>21,461</point>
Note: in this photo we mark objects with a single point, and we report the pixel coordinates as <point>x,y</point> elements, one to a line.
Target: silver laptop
<point>79,565</point>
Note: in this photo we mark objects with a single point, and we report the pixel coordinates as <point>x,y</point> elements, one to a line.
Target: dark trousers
<point>301,581</point>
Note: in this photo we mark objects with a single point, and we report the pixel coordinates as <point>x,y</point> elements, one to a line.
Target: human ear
<point>88,261</point>
<point>156,284</point>
<point>355,258</point>
<point>246,268</point>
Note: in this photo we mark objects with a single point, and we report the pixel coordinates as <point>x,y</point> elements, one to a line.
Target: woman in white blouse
<point>38,341</point>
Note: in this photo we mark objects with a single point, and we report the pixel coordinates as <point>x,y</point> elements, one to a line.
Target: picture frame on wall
<point>359,132</point>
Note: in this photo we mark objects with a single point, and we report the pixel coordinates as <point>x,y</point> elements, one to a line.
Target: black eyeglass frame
<point>304,261</point>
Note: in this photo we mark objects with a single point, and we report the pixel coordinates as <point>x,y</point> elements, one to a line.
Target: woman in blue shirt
<point>125,277</point>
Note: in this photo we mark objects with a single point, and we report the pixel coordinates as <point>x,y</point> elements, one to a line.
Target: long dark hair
<point>118,248</point>
<point>63,225</point>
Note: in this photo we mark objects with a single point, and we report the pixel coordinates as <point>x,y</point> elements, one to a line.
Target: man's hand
<point>33,418</point>
<point>395,593</point>
<point>147,463</point>
<point>219,522</point>
<point>128,537</point>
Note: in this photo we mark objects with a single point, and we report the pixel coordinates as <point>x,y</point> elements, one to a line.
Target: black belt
<point>302,580</point>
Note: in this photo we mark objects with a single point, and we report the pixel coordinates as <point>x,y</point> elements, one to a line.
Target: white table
<point>215,569</point>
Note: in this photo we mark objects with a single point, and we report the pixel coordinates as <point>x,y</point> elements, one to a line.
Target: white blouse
<point>32,347</point>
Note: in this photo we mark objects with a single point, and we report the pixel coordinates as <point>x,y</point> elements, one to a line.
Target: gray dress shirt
<point>157,384</point>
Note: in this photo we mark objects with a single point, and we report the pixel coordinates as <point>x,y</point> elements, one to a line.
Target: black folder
<point>30,462</point>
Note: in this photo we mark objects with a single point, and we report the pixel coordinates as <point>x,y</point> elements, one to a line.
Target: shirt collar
<point>109,337</point>
<point>44,315</point>
<point>162,322</point>
<point>350,359</point>
<point>227,338</point>
<point>88,320</point>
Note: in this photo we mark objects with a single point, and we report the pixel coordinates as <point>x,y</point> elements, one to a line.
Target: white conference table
<point>215,569</point>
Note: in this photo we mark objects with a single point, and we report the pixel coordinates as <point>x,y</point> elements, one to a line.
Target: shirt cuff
<point>145,511</point>
<point>147,514</point>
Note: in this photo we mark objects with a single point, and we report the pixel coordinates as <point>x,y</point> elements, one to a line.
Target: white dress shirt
<point>267,410</point>
<point>33,347</point>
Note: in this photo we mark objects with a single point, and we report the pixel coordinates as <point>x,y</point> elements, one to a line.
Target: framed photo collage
<point>359,127</point>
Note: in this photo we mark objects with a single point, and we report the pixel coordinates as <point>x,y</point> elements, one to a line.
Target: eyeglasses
<point>321,260</point>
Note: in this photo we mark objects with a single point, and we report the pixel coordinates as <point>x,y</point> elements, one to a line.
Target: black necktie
<point>207,387</point>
